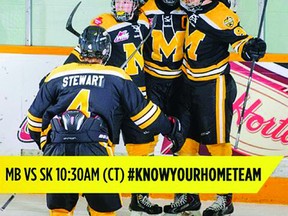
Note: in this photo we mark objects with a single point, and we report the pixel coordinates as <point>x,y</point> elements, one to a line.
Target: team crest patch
<point>121,36</point>
<point>98,21</point>
<point>229,22</point>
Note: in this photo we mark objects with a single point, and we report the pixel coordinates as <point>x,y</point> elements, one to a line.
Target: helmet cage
<point>190,5</point>
<point>170,2</point>
<point>124,10</point>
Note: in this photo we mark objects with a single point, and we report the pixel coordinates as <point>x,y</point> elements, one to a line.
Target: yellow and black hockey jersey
<point>125,37</point>
<point>163,51</point>
<point>209,32</point>
<point>95,90</point>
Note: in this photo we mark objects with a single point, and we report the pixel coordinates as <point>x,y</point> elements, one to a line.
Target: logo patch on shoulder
<point>98,21</point>
<point>121,36</point>
<point>229,22</point>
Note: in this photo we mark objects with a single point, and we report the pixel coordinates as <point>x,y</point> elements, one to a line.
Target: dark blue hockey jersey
<point>95,90</point>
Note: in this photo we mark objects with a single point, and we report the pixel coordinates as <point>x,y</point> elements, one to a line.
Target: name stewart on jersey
<point>76,80</point>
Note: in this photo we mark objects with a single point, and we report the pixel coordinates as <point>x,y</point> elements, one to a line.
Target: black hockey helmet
<point>95,42</point>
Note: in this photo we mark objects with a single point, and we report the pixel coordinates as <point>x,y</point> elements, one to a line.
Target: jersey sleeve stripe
<point>151,120</point>
<point>34,129</point>
<point>142,112</point>
<point>148,115</point>
<point>34,118</point>
<point>34,124</point>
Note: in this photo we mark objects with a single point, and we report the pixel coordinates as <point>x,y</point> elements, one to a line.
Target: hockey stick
<point>249,80</point>
<point>69,26</point>
<point>7,202</point>
<point>142,42</point>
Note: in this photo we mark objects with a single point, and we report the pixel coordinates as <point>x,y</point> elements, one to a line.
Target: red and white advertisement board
<point>265,126</point>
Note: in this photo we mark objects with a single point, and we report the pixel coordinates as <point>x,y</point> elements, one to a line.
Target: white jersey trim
<point>164,73</point>
<point>34,124</point>
<point>209,73</point>
<point>147,116</point>
<point>209,21</point>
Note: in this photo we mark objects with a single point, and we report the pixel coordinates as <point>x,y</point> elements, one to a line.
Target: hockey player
<point>163,53</point>
<point>89,93</point>
<point>127,27</point>
<point>208,89</point>
<point>163,50</point>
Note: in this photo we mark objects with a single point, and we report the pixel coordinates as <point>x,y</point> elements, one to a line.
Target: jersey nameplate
<point>90,80</point>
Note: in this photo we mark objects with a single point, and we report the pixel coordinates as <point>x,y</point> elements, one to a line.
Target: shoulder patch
<point>98,21</point>
<point>229,22</point>
<point>105,20</point>
<point>221,17</point>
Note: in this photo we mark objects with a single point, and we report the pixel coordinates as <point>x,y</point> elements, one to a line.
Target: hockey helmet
<point>170,2</point>
<point>124,10</point>
<point>191,4</point>
<point>95,42</point>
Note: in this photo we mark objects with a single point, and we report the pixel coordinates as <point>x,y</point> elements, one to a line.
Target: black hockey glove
<point>254,49</point>
<point>176,134</point>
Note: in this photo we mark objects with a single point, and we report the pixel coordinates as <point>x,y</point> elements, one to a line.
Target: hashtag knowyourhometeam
<point>194,174</point>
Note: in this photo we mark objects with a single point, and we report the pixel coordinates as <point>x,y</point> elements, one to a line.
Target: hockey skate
<point>222,206</point>
<point>140,204</point>
<point>184,204</point>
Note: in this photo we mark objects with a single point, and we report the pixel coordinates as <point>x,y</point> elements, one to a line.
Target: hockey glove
<point>176,134</point>
<point>254,49</point>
